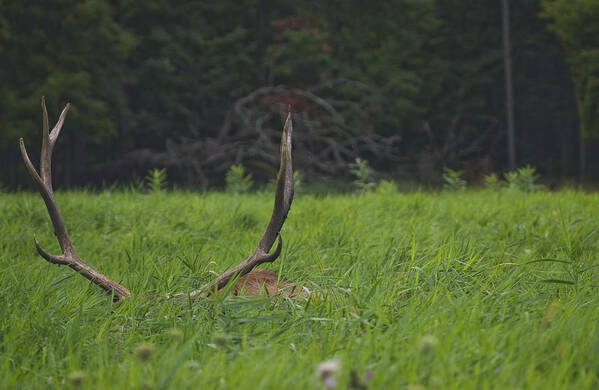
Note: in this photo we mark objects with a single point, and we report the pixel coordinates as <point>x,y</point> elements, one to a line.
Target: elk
<point>247,280</point>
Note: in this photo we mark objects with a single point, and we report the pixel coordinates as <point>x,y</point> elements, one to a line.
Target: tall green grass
<point>468,290</point>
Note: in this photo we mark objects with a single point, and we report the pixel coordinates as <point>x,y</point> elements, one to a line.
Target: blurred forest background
<point>412,86</point>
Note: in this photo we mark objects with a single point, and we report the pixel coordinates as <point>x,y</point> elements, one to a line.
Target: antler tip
<point>288,123</point>
<point>60,260</point>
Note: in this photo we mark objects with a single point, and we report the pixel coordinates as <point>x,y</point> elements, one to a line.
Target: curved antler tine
<point>50,258</point>
<point>43,180</point>
<point>32,171</point>
<point>284,190</point>
<point>270,257</point>
<point>56,130</point>
<point>283,198</point>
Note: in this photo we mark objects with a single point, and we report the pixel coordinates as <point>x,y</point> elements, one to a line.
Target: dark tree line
<point>410,85</point>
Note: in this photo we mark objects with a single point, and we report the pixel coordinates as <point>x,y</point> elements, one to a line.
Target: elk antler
<point>283,199</point>
<point>44,185</point>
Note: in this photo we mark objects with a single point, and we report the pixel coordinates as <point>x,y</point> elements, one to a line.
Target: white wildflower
<point>327,372</point>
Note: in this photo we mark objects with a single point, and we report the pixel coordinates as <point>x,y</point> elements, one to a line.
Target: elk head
<point>249,282</point>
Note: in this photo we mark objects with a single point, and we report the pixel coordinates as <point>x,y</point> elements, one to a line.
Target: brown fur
<point>267,282</point>
<point>260,281</point>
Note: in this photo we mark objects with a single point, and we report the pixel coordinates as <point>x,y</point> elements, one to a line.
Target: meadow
<point>465,290</point>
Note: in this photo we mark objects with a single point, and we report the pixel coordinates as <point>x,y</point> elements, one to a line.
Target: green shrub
<point>452,180</point>
<point>156,180</point>
<point>386,187</point>
<point>237,181</point>
<point>523,179</point>
<point>493,182</point>
<point>363,175</point>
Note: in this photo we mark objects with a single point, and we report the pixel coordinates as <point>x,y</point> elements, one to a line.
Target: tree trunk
<point>581,154</point>
<point>564,152</point>
<point>509,94</point>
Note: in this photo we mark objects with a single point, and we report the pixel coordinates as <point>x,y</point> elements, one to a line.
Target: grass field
<point>471,290</point>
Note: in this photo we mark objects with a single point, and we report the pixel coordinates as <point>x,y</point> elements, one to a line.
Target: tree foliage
<point>575,22</point>
<point>410,85</point>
